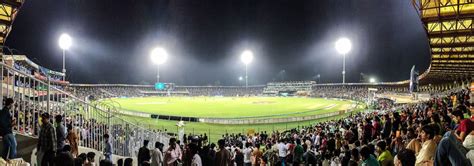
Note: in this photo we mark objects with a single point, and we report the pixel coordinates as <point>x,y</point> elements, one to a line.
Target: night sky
<point>112,39</point>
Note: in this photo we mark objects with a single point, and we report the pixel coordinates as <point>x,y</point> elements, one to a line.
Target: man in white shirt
<point>157,155</point>
<point>318,140</point>
<point>247,153</point>
<point>282,152</point>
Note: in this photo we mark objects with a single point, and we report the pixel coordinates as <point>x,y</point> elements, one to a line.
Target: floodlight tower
<point>372,80</point>
<point>343,46</point>
<point>240,80</point>
<point>246,57</point>
<point>65,43</point>
<point>158,56</point>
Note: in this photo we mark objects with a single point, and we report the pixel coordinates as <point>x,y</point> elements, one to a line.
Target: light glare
<point>343,45</point>
<point>372,80</point>
<point>247,57</point>
<point>158,55</point>
<point>65,41</point>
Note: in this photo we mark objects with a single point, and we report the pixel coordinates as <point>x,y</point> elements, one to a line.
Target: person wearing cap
<point>6,121</point>
<point>47,141</point>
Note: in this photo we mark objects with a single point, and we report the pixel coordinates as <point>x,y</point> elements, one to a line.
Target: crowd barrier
<point>88,121</point>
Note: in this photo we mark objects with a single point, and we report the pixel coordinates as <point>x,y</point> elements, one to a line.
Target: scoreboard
<point>164,86</point>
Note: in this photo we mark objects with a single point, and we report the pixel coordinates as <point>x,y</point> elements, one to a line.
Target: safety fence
<point>83,121</point>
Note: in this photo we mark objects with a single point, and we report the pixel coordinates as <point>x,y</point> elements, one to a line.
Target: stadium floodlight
<point>343,46</point>
<point>240,78</point>
<point>65,43</point>
<point>246,57</point>
<point>372,80</point>
<point>158,56</point>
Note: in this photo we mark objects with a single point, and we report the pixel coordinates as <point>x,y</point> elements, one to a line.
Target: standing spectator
<point>299,151</point>
<point>107,148</point>
<point>282,151</point>
<point>143,154</point>
<point>173,154</point>
<point>156,155</point>
<point>46,141</point>
<point>239,156</point>
<point>223,157</point>
<point>196,160</point>
<point>247,154</point>
<point>73,140</point>
<point>6,121</point>
<point>368,128</point>
<point>386,127</point>
<point>60,132</point>
<point>256,155</point>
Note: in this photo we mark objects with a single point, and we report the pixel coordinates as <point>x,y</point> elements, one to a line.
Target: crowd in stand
<point>224,91</point>
<point>108,92</point>
<point>275,87</point>
<point>437,132</point>
<point>353,93</point>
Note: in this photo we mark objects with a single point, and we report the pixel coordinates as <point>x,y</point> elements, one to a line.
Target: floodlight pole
<point>64,64</point>
<point>246,78</point>
<point>343,68</point>
<point>158,74</point>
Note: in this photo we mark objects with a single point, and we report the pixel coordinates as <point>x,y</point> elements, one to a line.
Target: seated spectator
<point>65,157</point>
<point>428,147</point>
<point>450,152</point>
<point>90,159</point>
<point>367,157</point>
<point>105,163</point>
<point>469,144</point>
<point>83,156</point>
<point>385,157</point>
<point>128,162</point>
<point>465,125</point>
<point>78,161</point>
<point>405,157</point>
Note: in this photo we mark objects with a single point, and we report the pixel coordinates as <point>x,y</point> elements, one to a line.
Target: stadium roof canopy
<point>449,27</point>
<point>8,11</point>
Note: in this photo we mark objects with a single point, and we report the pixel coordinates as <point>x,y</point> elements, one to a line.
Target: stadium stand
<point>439,131</point>
<point>288,88</point>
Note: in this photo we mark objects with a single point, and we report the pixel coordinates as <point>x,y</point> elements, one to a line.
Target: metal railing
<point>89,121</point>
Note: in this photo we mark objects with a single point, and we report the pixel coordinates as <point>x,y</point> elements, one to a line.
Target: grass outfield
<point>230,107</point>
<point>215,131</point>
<point>227,107</point>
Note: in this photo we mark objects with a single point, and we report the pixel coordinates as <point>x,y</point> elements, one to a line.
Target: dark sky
<point>204,38</point>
